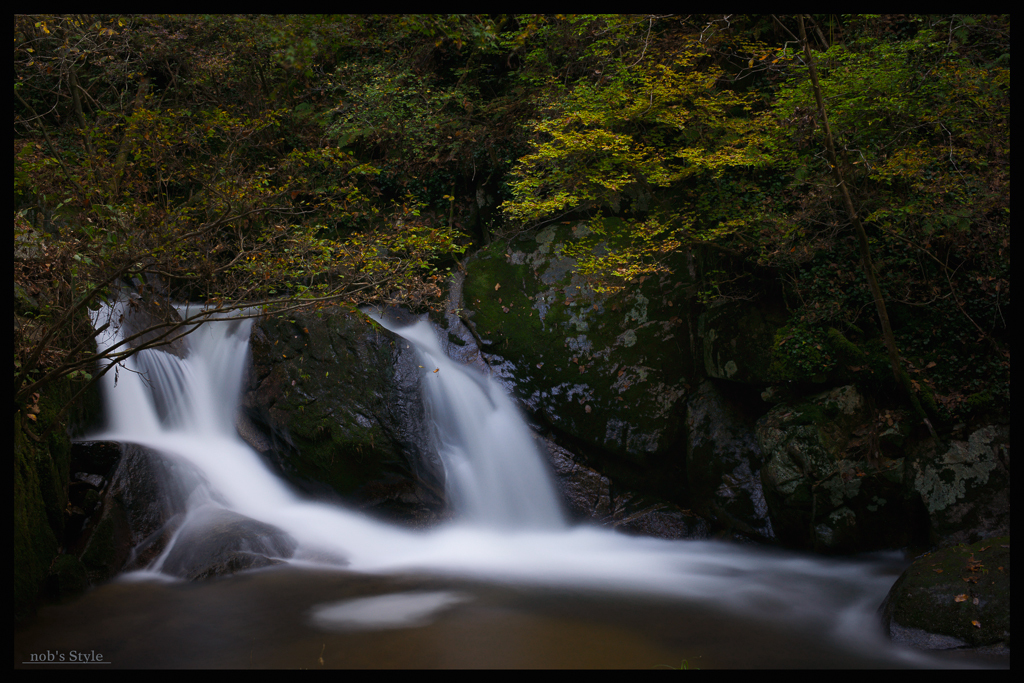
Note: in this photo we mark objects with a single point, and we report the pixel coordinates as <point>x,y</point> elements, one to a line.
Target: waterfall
<point>495,472</point>
<point>512,529</point>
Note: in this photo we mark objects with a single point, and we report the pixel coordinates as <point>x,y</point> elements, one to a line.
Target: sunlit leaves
<point>644,129</point>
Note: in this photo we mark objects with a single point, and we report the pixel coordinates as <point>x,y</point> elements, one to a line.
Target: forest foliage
<point>312,159</point>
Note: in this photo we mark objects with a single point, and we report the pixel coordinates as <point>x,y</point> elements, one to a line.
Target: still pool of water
<point>296,617</point>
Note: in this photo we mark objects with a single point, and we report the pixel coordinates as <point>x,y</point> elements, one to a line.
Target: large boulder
<point>954,598</point>
<point>963,485</point>
<point>591,496</point>
<point>333,401</point>
<point>140,509</point>
<point>828,482</point>
<point>42,469</point>
<point>215,542</point>
<point>40,473</point>
<point>608,372</point>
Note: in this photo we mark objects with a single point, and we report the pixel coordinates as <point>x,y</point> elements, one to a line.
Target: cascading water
<point>511,532</point>
<point>495,472</point>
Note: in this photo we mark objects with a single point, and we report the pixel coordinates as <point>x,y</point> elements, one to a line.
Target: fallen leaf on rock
<point>977,624</point>
<point>961,598</point>
<point>497,287</point>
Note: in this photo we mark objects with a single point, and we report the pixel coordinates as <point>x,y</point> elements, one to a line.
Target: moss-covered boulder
<point>43,426</point>
<point>337,399</point>
<point>609,372</point>
<point>954,598</point>
<point>964,485</point>
<point>828,482</point>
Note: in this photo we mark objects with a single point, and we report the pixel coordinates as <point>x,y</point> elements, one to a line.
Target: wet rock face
<point>609,372</point>
<point>954,598</point>
<point>591,496</point>
<point>138,512</point>
<point>334,403</point>
<point>723,465</point>
<point>214,542</point>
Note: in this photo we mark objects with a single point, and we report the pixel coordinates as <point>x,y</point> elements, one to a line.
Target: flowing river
<point>510,583</point>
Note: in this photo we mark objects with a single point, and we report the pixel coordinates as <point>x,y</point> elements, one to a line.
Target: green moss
<point>962,592</point>
<point>593,365</point>
<point>41,473</point>
<point>978,402</point>
<point>846,351</point>
<point>800,354</point>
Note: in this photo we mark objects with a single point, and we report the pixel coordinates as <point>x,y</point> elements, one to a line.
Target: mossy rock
<point>41,473</point>
<point>806,354</point>
<point>964,486</point>
<point>611,372</point>
<point>953,598</point>
<point>723,464</point>
<point>826,486</point>
<point>338,396</point>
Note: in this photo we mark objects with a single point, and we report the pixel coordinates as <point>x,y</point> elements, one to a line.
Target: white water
<point>495,473</point>
<point>506,534</point>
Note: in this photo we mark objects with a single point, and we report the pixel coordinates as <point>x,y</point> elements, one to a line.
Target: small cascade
<point>495,473</point>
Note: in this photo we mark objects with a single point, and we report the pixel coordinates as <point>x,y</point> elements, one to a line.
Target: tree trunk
<point>76,102</point>
<point>865,252</point>
<point>122,152</point>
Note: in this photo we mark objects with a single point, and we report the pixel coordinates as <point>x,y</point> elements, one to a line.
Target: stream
<point>509,583</point>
